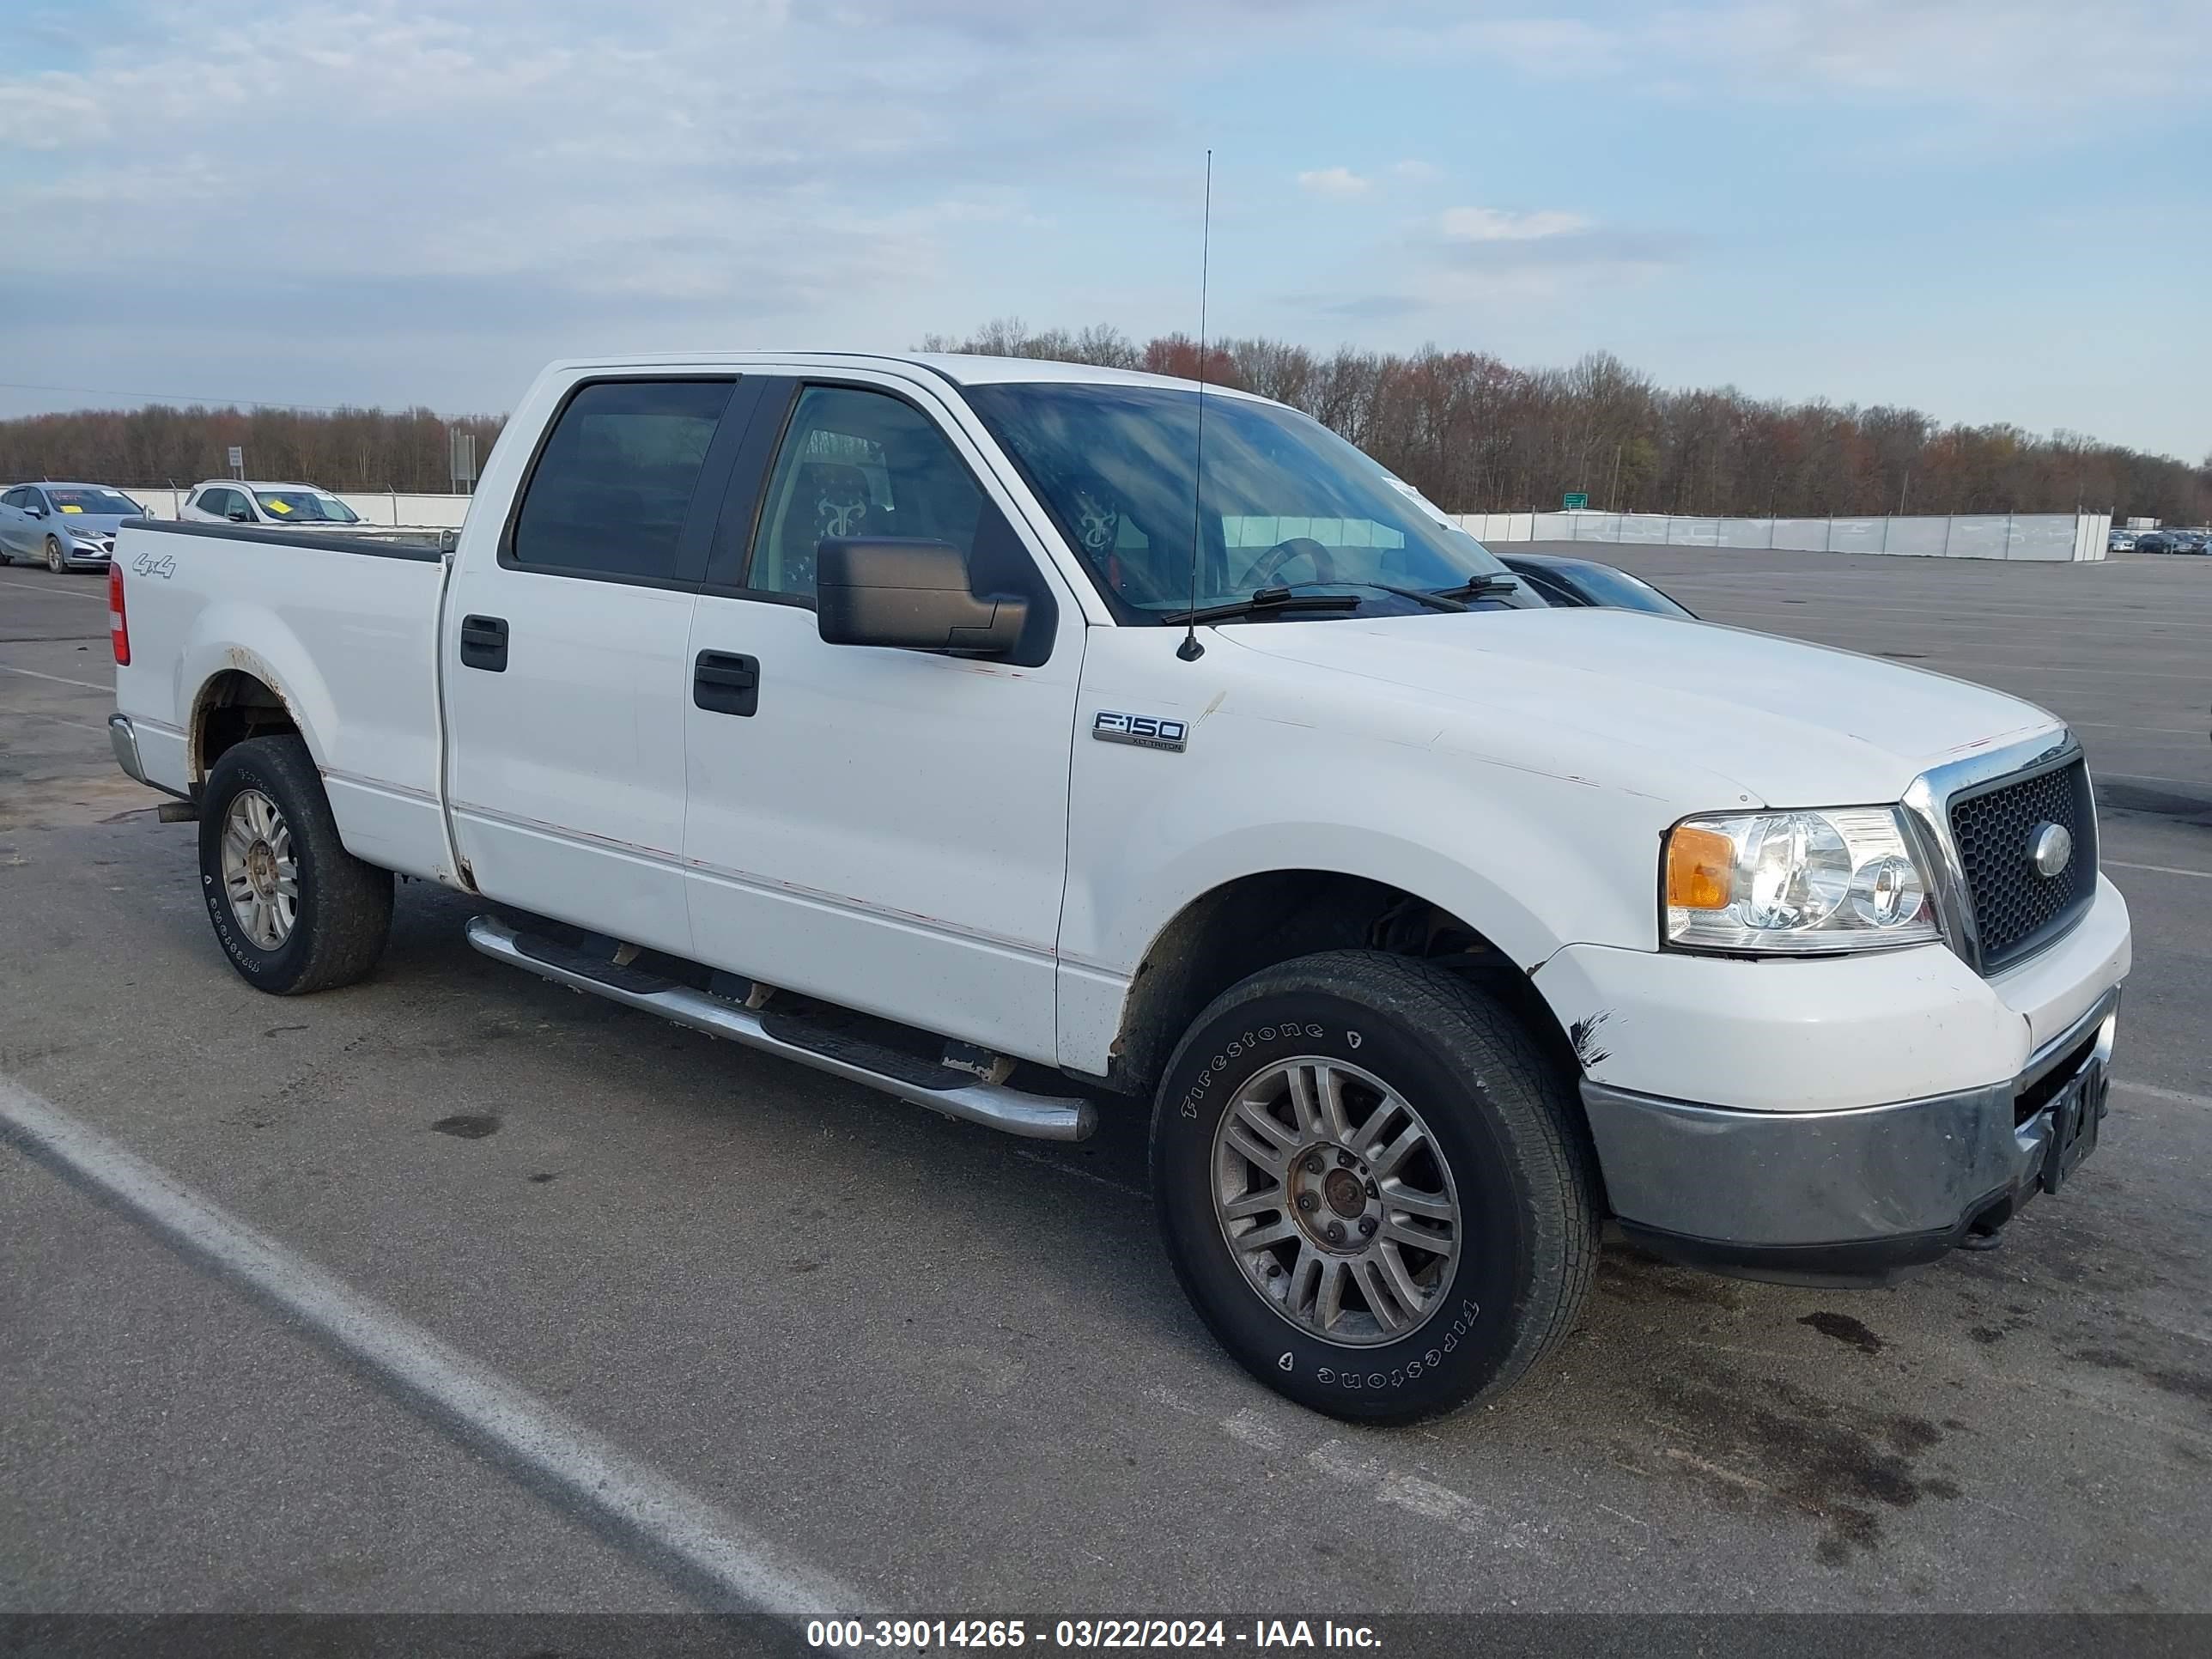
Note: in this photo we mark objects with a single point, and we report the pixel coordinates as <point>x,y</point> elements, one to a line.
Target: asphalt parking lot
<point>953,1369</point>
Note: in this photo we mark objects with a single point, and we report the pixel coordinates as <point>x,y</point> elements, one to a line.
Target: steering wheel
<point>1270,565</point>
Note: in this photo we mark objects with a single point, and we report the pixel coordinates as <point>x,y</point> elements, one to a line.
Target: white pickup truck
<point>928,721</point>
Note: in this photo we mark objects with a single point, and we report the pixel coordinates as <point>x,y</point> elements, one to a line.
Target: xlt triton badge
<point>1146,730</point>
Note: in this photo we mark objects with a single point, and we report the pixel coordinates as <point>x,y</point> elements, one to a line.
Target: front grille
<point>2015,909</point>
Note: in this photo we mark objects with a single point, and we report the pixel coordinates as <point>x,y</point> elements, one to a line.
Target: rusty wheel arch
<point>232,706</point>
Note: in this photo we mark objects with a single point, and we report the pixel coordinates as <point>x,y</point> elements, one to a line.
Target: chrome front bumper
<point>1852,1195</point>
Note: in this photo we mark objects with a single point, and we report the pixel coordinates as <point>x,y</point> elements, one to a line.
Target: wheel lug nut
<point>1336,1232</point>
<point>1345,1160</point>
<point>1312,1163</point>
<point>1308,1202</point>
<point>1371,1192</point>
<point>1367,1226</point>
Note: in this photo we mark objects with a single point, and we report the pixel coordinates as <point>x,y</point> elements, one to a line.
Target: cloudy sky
<point>1996,209</point>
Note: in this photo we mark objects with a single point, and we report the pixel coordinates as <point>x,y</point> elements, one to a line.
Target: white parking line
<point>697,1543</point>
<point>100,598</point>
<point>2161,869</point>
<point>2122,726</point>
<point>58,679</point>
<point>2181,1098</point>
<point>2153,777</point>
<point>58,721</point>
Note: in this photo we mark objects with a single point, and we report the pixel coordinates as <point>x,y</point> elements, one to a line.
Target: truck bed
<point>343,631</point>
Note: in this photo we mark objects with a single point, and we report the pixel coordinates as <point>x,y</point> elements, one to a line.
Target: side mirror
<point>35,511</point>
<point>896,591</point>
<point>240,515</point>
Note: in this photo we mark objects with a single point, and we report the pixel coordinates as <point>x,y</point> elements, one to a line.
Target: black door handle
<point>484,643</point>
<point>723,683</point>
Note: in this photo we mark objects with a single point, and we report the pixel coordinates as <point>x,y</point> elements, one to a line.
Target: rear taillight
<point>119,627</point>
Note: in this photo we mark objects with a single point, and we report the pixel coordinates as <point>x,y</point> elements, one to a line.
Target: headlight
<point>1795,883</point>
<point>91,536</point>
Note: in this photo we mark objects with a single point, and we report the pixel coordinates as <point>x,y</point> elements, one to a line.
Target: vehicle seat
<point>831,501</point>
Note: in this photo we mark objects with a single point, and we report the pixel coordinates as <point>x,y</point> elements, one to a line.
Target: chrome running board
<point>1038,1117</point>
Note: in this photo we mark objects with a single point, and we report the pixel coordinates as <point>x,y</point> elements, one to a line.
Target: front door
<point>883,828</point>
<point>566,674</point>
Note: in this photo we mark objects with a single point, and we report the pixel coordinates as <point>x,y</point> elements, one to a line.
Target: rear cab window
<point>614,487</point>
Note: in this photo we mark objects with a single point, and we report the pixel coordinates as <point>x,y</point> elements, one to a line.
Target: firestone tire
<point>1498,1138</point>
<point>341,907</point>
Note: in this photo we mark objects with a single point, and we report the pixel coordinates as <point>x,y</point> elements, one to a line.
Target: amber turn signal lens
<point>1701,869</point>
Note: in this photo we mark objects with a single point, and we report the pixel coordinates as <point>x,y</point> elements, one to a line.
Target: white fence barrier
<point>378,507</point>
<point>2050,538</point>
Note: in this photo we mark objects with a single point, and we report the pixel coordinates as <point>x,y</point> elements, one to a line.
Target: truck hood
<point>1787,723</point>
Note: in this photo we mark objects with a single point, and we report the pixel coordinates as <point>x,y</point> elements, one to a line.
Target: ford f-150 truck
<point>950,726</point>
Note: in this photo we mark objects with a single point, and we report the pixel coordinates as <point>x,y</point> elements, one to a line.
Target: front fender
<point>1530,860</point>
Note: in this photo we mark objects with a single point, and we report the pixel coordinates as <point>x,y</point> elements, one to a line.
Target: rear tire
<point>294,910</point>
<point>1354,1294</point>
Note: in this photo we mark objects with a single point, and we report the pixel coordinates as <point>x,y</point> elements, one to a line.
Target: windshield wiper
<point>1477,588</point>
<point>1267,599</point>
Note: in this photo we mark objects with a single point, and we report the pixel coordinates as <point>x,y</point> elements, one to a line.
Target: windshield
<point>109,503</point>
<point>1286,503</point>
<point>305,506</point>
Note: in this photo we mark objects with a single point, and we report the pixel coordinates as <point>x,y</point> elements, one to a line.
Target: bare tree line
<point>1476,434</point>
<point>1470,432</point>
<point>159,444</point>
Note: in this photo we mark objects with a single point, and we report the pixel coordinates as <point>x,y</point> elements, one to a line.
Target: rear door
<point>883,829</point>
<point>567,681</point>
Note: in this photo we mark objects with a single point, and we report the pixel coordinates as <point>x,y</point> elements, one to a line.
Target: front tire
<point>56,560</point>
<point>293,910</point>
<point>1373,1186</point>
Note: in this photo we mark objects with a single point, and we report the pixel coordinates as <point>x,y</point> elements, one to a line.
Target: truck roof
<point>958,367</point>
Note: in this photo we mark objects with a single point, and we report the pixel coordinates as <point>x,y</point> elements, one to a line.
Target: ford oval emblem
<point>2050,848</point>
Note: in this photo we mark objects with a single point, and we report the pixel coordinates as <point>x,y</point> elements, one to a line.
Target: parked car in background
<point>246,500</point>
<point>65,526</point>
<point>2161,541</point>
<point>2120,541</point>
<point>1586,582</point>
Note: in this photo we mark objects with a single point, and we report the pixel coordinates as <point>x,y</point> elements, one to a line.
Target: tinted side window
<point>14,498</point>
<point>857,462</point>
<point>614,483</point>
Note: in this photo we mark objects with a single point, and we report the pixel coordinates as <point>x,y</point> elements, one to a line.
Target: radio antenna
<point>1190,650</point>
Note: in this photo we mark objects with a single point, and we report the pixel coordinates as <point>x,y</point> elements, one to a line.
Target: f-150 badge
<point>1146,730</point>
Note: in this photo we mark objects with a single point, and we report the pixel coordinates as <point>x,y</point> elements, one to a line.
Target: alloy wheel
<point>1336,1200</point>
<point>260,871</point>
